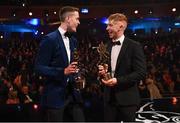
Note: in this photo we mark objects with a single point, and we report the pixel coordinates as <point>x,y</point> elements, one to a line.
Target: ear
<point>67,19</point>
<point>120,27</point>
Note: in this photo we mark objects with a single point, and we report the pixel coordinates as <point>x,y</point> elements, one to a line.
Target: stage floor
<point>150,111</point>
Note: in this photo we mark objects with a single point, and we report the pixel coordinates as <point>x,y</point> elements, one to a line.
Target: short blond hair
<point>118,17</point>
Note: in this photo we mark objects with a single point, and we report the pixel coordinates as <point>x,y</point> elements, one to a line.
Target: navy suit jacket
<point>50,63</point>
<point>130,69</point>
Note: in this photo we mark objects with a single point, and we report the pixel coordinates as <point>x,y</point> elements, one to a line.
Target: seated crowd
<point>19,83</point>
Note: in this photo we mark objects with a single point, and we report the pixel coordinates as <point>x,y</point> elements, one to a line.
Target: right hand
<point>72,68</point>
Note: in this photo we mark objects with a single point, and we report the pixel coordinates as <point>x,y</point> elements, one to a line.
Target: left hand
<point>111,82</point>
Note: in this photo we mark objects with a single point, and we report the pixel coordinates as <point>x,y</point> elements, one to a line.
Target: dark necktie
<point>68,34</point>
<point>116,43</point>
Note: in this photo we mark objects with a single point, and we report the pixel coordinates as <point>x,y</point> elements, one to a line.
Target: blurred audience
<point>19,84</point>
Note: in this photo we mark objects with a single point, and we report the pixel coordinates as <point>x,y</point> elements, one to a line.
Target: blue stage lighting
<point>104,20</point>
<point>152,19</point>
<point>36,32</point>
<point>33,21</point>
<point>177,24</point>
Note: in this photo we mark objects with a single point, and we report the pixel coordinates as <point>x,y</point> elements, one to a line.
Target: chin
<point>74,30</point>
<point>110,36</point>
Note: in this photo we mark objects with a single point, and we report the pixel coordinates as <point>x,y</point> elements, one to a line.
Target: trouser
<point>72,112</point>
<point>114,113</point>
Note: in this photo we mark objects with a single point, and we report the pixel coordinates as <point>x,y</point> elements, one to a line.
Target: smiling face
<point>113,29</point>
<point>116,26</point>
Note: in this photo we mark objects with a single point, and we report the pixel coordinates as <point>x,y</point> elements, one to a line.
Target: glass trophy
<point>104,59</point>
<point>78,76</point>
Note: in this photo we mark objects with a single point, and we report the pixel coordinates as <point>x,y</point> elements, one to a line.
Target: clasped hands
<point>102,73</point>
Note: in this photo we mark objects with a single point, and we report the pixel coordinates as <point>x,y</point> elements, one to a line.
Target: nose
<point>107,27</point>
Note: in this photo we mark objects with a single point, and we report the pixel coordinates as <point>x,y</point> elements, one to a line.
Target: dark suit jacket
<point>50,63</point>
<point>130,69</point>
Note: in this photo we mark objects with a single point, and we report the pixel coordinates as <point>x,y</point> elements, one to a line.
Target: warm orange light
<point>174,100</point>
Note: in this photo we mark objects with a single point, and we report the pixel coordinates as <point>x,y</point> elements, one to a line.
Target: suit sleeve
<point>43,59</point>
<point>138,68</point>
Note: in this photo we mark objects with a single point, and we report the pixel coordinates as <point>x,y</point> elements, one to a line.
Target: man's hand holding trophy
<point>103,66</point>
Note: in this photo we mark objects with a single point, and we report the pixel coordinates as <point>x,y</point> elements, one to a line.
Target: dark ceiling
<point>97,8</point>
<point>80,2</point>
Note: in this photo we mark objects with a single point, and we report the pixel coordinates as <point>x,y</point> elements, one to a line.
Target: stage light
<point>152,19</point>
<point>14,14</point>
<point>84,10</point>
<point>174,100</point>
<point>16,28</point>
<point>104,20</point>
<point>35,106</point>
<point>150,11</point>
<point>36,32</point>
<point>30,13</point>
<point>40,77</point>
<point>136,11</point>
<point>169,29</point>
<point>23,4</point>
<point>55,12</point>
<point>1,37</point>
<point>33,21</point>
<point>173,9</point>
<point>177,24</point>
<point>47,14</point>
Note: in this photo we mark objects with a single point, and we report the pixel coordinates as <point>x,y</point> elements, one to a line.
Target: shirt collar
<point>62,31</point>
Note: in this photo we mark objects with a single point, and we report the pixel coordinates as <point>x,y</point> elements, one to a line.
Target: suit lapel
<point>122,52</point>
<point>62,48</point>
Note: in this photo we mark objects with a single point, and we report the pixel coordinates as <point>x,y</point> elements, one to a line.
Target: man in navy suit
<point>55,63</point>
<point>127,66</point>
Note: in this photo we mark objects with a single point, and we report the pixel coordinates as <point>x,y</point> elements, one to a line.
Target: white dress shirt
<point>66,42</point>
<point>115,53</point>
